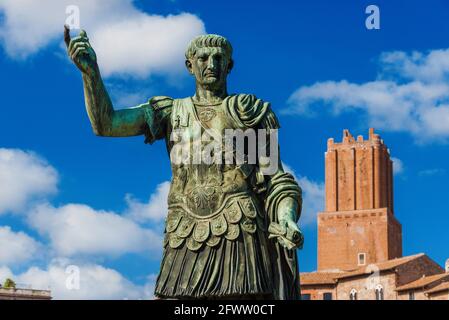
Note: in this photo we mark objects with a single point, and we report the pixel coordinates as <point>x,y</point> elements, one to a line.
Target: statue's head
<point>209,59</point>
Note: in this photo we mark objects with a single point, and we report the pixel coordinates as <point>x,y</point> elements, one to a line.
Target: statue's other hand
<point>287,231</point>
<point>81,52</point>
<point>293,238</point>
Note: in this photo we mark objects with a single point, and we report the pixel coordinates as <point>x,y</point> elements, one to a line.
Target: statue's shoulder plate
<point>161,102</point>
<point>156,111</point>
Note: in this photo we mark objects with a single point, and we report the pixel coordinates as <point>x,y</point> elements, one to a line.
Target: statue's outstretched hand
<point>286,231</point>
<point>80,52</point>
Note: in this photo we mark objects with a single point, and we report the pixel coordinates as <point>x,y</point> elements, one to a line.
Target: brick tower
<point>358,226</point>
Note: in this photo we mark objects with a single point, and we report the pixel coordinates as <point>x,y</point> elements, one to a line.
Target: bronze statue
<point>231,227</point>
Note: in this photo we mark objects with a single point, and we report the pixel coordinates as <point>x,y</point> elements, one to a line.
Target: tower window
<point>379,292</point>
<point>362,259</point>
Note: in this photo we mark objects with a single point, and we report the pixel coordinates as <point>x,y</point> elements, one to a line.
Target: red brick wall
<point>394,238</point>
<point>343,235</point>
<point>359,205</point>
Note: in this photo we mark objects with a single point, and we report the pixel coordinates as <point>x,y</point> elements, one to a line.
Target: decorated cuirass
<point>208,200</point>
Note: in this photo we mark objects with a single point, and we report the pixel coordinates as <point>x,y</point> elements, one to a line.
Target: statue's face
<point>210,66</point>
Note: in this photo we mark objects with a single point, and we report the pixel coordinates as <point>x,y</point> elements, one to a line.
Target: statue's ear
<point>230,65</point>
<point>189,66</point>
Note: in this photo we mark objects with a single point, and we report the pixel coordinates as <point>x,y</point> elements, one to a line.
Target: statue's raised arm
<point>104,119</point>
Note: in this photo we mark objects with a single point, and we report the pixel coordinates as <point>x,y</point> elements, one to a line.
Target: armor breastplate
<point>206,201</point>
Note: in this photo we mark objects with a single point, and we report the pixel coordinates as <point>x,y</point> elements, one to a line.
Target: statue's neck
<point>206,95</point>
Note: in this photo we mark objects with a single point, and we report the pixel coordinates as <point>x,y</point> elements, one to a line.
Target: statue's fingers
<point>67,35</point>
<point>77,46</point>
<point>78,52</point>
<point>75,41</point>
<point>296,238</point>
<point>293,233</point>
<point>80,44</point>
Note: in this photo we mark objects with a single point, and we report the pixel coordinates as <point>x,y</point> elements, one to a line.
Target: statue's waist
<point>204,191</point>
<point>238,213</point>
<point>186,205</point>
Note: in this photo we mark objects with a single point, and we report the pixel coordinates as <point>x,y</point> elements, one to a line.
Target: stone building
<point>359,237</point>
<point>10,291</point>
<point>24,294</point>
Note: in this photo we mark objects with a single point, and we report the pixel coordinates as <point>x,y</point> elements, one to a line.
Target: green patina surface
<point>231,232</point>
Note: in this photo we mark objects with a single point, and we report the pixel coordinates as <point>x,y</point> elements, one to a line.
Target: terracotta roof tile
<point>441,287</point>
<point>382,266</point>
<point>424,281</point>
<point>310,278</point>
<point>318,277</point>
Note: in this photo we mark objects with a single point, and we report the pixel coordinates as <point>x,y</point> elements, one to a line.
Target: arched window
<point>362,259</point>
<point>379,292</point>
<point>353,295</point>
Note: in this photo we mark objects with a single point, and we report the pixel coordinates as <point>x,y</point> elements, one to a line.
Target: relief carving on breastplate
<point>204,198</point>
<point>207,114</point>
<point>203,193</point>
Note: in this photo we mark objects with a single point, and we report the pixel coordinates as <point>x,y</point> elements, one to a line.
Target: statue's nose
<point>211,63</point>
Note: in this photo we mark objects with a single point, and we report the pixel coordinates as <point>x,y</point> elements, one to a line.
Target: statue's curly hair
<point>208,40</point>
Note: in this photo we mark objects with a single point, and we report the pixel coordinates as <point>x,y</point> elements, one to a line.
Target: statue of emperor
<point>231,228</point>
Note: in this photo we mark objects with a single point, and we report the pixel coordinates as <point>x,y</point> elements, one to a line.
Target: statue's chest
<point>194,123</point>
<point>211,117</point>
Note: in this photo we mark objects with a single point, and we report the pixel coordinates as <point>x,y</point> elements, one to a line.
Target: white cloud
<point>398,165</point>
<point>155,210</point>
<point>148,44</point>
<point>73,229</point>
<point>5,273</point>
<point>123,99</point>
<point>411,95</point>
<point>432,172</point>
<point>95,282</point>
<point>313,197</point>
<point>76,229</point>
<point>16,247</point>
<point>127,40</point>
<point>431,67</point>
<point>23,176</point>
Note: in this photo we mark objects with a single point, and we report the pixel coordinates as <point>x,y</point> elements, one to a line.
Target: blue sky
<point>315,61</point>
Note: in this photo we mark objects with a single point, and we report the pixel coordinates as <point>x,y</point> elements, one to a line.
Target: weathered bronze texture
<point>231,229</point>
